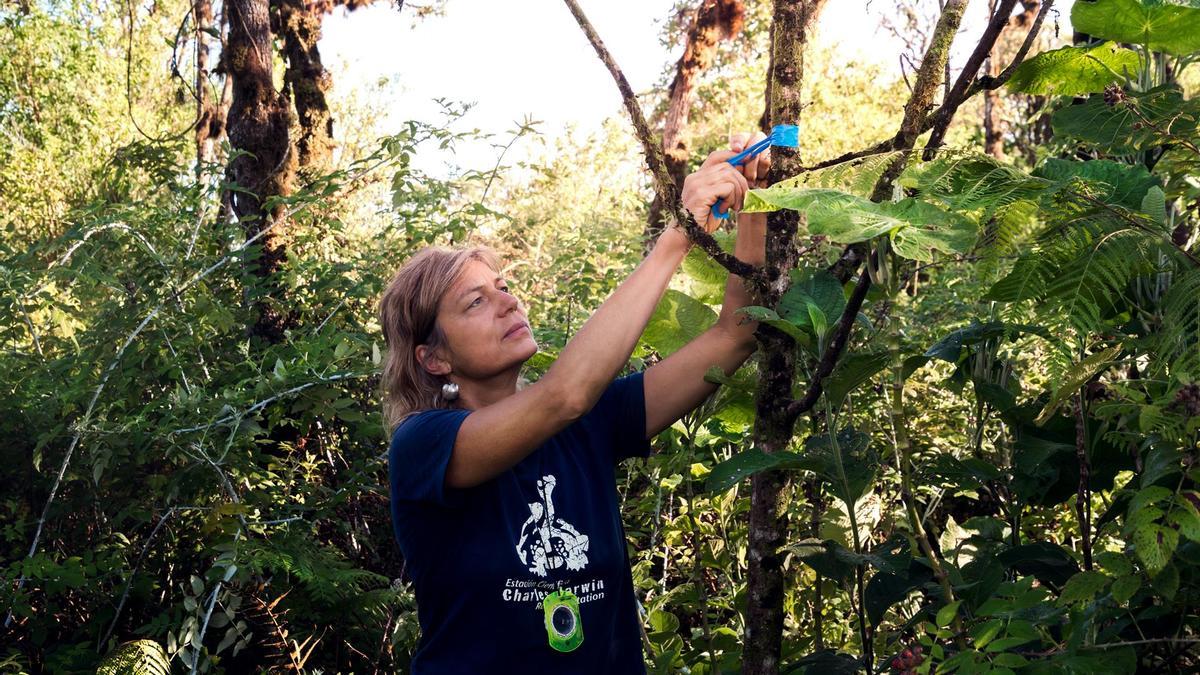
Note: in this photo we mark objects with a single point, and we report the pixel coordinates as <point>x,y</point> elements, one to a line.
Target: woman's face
<point>487,332</point>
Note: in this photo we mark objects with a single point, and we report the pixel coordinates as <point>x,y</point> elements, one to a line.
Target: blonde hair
<point>408,315</point>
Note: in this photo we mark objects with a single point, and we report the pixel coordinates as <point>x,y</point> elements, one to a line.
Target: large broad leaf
<point>1050,563</point>
<point>917,228</point>
<point>812,290</point>
<point>677,320</point>
<point>1026,280</point>
<point>1119,661</point>
<point>846,461</point>
<point>852,371</point>
<point>827,662</point>
<point>749,462</point>
<point>1072,71</point>
<point>816,201</point>
<point>886,588</point>
<point>972,183</point>
<point>706,275</point>
<point>950,348</point>
<point>928,229</point>
<point>1124,184</point>
<point>1160,26</point>
<point>771,318</point>
<point>1117,129</point>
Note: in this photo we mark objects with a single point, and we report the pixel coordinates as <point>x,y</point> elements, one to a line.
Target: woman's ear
<point>431,361</point>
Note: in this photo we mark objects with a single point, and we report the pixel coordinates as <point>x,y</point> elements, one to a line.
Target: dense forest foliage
<point>967,442</point>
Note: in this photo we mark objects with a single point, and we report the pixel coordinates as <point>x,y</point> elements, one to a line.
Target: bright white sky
<point>528,57</point>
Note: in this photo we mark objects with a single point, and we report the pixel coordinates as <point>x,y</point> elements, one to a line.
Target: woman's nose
<point>509,302</point>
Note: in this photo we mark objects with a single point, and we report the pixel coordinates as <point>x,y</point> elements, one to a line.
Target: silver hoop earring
<point>449,391</point>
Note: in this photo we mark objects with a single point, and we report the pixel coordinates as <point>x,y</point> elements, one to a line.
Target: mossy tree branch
<point>664,186</point>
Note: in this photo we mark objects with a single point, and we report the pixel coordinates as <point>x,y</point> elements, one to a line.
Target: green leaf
<point>746,463</point>
<point>852,371</point>
<point>663,622</point>
<point>1009,660</point>
<point>917,227</point>
<point>1083,587</point>
<point>946,614</point>
<point>1079,374</point>
<point>1073,71</point>
<point>1117,130</point>
<point>1115,564</point>
<point>985,632</point>
<point>847,462</point>
<point>768,316</point>
<point>677,320</point>
<point>1186,518</point>
<point>817,202</point>
<point>950,348</point>
<point>1124,588</point>
<point>928,228</point>
<point>812,289</point>
<point>1166,582</point>
<point>1123,184</point>
<point>1160,26</point>
<point>1154,204</point>
<point>707,276</point>
<point>1155,544</point>
<point>144,657</point>
<point>887,588</point>
<point>1048,562</point>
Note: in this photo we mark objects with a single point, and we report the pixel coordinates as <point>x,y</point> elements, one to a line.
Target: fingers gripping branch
<point>663,185</point>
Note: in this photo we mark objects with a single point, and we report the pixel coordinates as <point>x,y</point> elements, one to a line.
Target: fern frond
<point>139,657</point>
<point>1177,345</point>
<point>322,572</point>
<point>857,176</point>
<point>974,183</point>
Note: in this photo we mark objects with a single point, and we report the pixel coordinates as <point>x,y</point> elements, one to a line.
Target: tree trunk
<point>1018,25</point>
<point>993,140</point>
<point>263,162</point>
<point>307,81</point>
<point>713,21</point>
<point>209,123</point>
<point>773,426</point>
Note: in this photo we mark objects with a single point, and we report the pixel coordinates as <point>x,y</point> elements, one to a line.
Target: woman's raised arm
<point>496,437</point>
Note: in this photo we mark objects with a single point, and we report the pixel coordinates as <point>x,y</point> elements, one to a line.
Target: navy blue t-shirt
<point>481,559</point>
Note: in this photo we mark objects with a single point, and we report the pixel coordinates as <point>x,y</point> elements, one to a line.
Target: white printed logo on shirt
<point>548,542</point>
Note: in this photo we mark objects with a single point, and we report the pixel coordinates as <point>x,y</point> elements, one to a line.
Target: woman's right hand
<point>715,180</point>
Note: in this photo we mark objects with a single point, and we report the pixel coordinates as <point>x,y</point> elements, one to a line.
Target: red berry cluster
<point>907,661</point>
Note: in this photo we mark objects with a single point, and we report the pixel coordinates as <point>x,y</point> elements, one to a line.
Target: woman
<point>504,500</point>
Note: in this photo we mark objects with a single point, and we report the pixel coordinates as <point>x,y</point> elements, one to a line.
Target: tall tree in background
<point>264,163</point>
<point>1015,29</point>
<point>306,81</point>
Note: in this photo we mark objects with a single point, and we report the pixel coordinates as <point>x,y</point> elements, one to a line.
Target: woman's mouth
<point>515,330</point>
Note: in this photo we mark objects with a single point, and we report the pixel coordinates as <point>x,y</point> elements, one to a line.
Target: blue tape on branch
<point>783,135</point>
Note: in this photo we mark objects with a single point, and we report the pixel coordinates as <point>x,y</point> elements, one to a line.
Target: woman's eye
<point>476,301</point>
<point>504,288</point>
